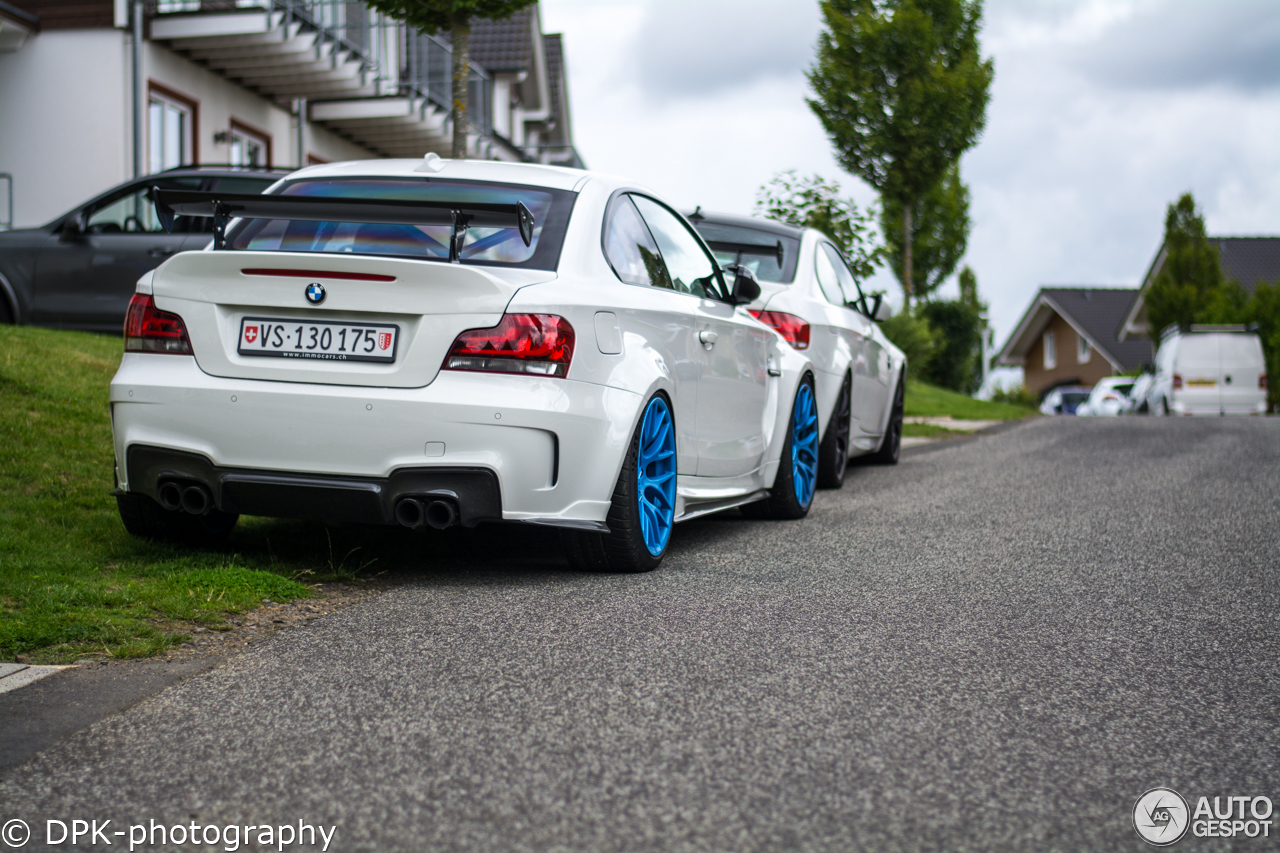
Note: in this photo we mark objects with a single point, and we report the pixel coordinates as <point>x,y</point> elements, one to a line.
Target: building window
<point>249,147</point>
<point>1082,350</point>
<point>1050,351</point>
<point>170,130</point>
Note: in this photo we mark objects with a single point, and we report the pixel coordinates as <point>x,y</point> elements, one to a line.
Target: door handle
<point>159,252</point>
<point>708,338</point>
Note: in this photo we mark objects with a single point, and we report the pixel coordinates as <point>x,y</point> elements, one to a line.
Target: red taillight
<point>791,327</point>
<point>148,329</point>
<point>1262,381</point>
<point>521,343</point>
<point>1177,382</point>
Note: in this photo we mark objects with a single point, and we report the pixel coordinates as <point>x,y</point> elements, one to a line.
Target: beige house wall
<point>1037,378</point>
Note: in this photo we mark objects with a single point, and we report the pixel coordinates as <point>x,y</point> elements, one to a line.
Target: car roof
<point>553,177</point>
<point>768,225</point>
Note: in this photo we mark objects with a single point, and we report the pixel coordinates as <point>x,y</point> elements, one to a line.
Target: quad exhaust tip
<point>416,513</point>
<point>170,495</point>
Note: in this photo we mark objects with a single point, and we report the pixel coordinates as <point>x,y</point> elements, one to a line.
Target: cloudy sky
<point>1101,114</point>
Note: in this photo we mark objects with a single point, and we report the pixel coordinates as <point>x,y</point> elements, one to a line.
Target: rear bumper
<point>553,446</point>
<point>370,500</point>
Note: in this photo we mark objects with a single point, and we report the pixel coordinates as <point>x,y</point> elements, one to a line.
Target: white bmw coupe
<point>438,342</point>
<point>812,298</point>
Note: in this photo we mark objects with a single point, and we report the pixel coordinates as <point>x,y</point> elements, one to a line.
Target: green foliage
<point>923,400</point>
<point>939,233</point>
<point>816,203</point>
<point>957,360</point>
<point>943,338</point>
<point>1191,278</point>
<point>915,337</point>
<point>901,91</point>
<point>434,16</point>
<point>1018,395</point>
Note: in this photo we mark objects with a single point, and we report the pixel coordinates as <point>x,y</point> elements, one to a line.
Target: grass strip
<point>73,583</point>
<point>924,400</point>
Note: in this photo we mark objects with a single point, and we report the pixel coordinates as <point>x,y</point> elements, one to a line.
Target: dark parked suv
<point>79,271</point>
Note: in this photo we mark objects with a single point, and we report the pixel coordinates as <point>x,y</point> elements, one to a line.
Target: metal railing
<point>395,58</point>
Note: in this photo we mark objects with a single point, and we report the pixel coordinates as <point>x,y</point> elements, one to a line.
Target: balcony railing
<point>392,58</point>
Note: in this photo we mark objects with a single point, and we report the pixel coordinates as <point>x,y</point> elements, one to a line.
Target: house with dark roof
<point>1248,260</point>
<point>1071,336</point>
<point>530,88</point>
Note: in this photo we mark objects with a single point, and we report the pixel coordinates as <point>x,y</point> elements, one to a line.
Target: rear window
<point>496,246</point>
<point>754,248</point>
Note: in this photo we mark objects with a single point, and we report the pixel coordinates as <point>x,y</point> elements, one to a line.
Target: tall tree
<point>939,233</point>
<point>453,17</point>
<point>816,203</point>
<point>1191,278</point>
<point>902,93</point>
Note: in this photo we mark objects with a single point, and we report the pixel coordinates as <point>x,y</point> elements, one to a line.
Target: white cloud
<point>1102,113</point>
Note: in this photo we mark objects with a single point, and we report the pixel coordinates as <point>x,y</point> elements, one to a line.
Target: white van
<point>1210,370</point>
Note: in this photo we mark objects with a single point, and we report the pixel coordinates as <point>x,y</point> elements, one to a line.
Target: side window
<point>134,213</point>
<point>629,247</point>
<point>131,213</point>
<point>848,284</point>
<point>828,278</point>
<point>691,269</point>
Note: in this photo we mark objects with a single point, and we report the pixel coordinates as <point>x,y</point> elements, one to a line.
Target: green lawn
<point>924,400</point>
<point>73,584</point>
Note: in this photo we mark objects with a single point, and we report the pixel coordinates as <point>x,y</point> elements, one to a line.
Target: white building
<point>85,104</point>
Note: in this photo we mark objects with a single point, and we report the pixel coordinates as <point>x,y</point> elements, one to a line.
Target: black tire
<point>145,518</point>
<point>891,444</point>
<point>6,313</point>
<point>833,454</point>
<point>782,502</point>
<point>1164,406</point>
<point>622,549</point>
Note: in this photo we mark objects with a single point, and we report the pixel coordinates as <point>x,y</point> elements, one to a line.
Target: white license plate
<point>326,341</point>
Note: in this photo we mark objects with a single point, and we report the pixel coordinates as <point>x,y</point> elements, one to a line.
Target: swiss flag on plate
<point>384,340</point>
<point>250,334</point>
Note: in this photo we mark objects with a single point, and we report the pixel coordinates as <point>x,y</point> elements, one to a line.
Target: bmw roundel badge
<point>315,293</point>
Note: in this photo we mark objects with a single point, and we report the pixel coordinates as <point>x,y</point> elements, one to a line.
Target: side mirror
<point>72,229</point>
<point>745,287</point>
<point>883,311</point>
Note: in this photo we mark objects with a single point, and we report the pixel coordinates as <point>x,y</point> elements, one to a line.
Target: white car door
<point>870,380</point>
<point>656,314</point>
<point>732,390</point>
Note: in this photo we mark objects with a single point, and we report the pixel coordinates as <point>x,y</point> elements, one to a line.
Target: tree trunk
<point>461,33</point>
<point>906,256</point>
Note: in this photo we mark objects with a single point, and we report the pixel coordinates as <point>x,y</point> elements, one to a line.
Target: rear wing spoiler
<point>775,251</point>
<point>223,207</point>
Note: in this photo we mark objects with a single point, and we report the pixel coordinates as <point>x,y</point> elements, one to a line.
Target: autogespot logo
<point>315,293</point>
<point>1160,816</point>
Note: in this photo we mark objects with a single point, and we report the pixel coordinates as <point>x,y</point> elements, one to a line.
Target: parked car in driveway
<point>79,271</point>
<point>434,343</point>
<point>1064,401</point>
<point>812,298</point>
<point>1109,397</point>
<point>1209,370</point>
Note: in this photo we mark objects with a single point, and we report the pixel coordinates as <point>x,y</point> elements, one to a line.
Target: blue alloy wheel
<point>656,476</point>
<point>804,445</point>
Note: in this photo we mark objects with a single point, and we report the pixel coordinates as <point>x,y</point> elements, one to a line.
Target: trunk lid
<point>429,303</point>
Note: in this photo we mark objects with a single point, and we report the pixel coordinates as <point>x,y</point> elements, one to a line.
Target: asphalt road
<point>997,645</point>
